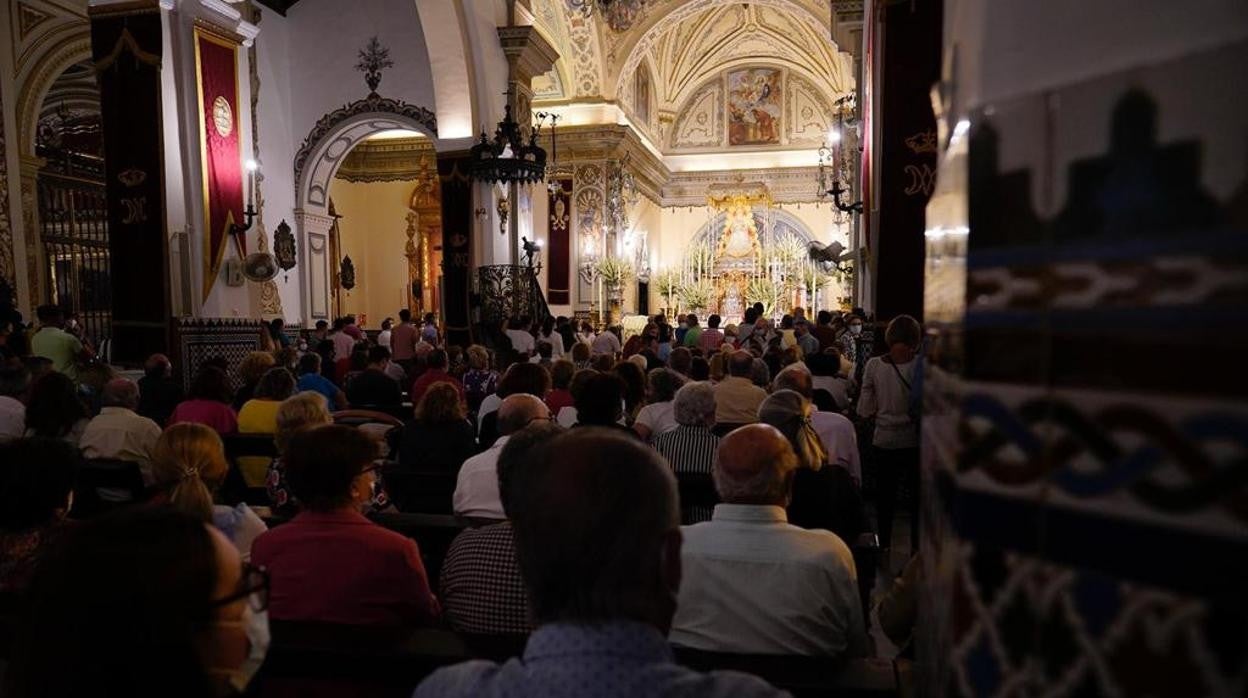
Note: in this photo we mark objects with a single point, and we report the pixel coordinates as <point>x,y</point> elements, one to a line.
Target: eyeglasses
<point>254,586</point>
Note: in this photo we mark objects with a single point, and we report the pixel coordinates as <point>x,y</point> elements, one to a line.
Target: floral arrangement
<point>697,295</point>
<point>614,271</point>
<point>667,283</point>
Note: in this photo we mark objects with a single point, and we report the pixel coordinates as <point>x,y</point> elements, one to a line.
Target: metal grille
<point>73,215</point>
<point>509,291</point>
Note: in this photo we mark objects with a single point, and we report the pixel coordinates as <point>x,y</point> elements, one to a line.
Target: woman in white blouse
<point>886,396</point>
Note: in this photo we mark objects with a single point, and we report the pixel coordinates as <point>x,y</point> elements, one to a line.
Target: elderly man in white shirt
<point>835,430</point>
<point>117,433</point>
<point>476,488</point>
<point>754,584</point>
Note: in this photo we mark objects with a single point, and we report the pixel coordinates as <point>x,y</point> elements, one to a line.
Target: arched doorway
<point>71,201</point>
<point>385,200</point>
<point>320,228</point>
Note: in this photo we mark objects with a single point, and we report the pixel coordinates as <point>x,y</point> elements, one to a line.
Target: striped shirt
<point>688,448</point>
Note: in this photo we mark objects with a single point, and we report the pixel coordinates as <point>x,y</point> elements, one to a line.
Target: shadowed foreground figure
<point>598,539</point>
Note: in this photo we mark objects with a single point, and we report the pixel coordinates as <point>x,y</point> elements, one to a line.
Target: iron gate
<point>73,216</point>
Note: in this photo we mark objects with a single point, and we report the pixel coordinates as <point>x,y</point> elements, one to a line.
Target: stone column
<point>30,228</point>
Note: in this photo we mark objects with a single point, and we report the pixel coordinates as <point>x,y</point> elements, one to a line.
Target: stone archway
<point>33,85</point>
<point>318,158</point>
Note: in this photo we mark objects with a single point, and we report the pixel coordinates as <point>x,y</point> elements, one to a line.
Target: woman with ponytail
<point>823,497</point>
<point>188,465</point>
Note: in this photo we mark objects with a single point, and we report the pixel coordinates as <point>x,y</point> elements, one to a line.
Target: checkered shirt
<point>482,590</point>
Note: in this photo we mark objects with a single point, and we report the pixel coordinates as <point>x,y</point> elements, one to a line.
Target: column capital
<point>528,54</point>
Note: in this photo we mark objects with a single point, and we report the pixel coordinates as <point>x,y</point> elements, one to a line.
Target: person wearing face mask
<point>96,622</point>
<point>849,340</point>
<point>330,563</point>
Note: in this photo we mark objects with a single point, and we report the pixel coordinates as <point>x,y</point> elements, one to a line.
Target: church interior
<point>1057,191</point>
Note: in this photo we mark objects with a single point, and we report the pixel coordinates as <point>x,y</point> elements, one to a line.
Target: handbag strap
<point>899,376</point>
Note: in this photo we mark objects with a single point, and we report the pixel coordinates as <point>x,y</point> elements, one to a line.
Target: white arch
<point>329,144</point>
<point>318,160</point>
<point>38,82</point>
<point>447,43</point>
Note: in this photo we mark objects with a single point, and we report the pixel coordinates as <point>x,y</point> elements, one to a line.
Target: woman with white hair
<point>690,447</point>
<point>822,497</point>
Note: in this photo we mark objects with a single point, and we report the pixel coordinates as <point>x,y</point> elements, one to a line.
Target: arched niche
<point>315,164</point>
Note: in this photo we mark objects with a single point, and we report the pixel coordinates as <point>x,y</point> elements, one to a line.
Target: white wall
<point>278,142</point>
<point>373,233</point>
<point>321,57</point>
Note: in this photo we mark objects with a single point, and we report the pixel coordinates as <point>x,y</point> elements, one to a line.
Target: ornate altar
<point>747,252</point>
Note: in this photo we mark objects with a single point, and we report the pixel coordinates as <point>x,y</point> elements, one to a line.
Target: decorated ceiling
<point>704,75</point>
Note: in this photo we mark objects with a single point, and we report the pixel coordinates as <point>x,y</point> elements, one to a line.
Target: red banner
<point>559,253</point>
<point>216,63</point>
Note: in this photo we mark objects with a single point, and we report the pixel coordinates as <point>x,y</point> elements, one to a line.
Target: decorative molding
<point>788,185</point>
<point>35,86</point>
<point>28,18</point>
<point>527,52</point>
<point>246,31</point>
<point>701,122</point>
<point>8,262</point>
<point>371,105</point>
<point>400,159</point>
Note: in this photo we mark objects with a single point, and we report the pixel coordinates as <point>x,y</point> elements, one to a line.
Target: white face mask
<point>855,329</point>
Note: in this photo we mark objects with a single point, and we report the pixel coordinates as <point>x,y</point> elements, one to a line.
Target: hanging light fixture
<point>508,156</point>
<point>834,160</point>
<point>618,14</point>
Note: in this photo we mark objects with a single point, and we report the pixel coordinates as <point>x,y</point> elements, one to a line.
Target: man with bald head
<point>598,542</point>
<point>736,397</point>
<point>476,488</point>
<point>755,584</point>
<point>117,433</point>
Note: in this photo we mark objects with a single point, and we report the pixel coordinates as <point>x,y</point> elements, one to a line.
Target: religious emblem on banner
<point>559,217</point>
<point>222,117</point>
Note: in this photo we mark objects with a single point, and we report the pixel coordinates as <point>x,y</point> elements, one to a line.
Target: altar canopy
<point>750,251</point>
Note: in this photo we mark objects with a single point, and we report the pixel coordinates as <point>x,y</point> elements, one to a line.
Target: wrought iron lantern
<point>508,156</point>
<point>618,14</point>
<point>346,273</point>
<point>284,246</point>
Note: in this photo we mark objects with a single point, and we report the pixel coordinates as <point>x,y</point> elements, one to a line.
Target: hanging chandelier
<point>618,14</point>
<point>835,159</point>
<point>508,157</point>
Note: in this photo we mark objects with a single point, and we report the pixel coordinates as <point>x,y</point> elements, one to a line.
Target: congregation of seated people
<point>606,505</point>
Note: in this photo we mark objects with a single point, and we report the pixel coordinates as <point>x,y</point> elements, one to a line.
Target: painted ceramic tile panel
<point>1085,428</point>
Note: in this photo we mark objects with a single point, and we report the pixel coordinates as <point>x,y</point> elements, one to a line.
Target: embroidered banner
<point>216,63</point>
<point>560,236</point>
<point>456,249</point>
<point>127,51</point>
